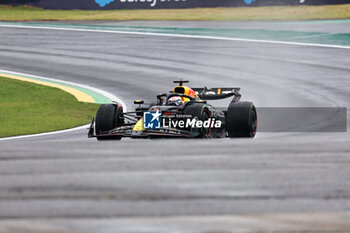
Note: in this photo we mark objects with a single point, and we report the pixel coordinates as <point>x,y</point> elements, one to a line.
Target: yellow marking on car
<point>79,95</point>
<point>139,126</point>
<point>219,91</point>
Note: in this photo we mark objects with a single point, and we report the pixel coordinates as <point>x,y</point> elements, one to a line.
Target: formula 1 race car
<point>183,112</point>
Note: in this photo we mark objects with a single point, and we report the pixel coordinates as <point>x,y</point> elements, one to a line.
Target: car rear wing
<point>217,93</point>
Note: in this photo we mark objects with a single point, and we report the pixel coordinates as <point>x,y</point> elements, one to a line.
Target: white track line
<point>181,36</point>
<point>45,134</point>
<point>104,93</point>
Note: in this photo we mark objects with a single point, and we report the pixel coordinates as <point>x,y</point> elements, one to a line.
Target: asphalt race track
<point>277,182</point>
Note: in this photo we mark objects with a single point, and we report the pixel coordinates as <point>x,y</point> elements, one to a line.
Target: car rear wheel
<point>108,117</point>
<point>201,112</point>
<point>241,120</point>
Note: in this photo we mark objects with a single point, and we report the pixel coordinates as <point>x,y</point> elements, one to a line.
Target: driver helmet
<point>175,100</point>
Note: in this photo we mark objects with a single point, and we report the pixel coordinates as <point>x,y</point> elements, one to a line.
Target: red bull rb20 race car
<point>183,112</point>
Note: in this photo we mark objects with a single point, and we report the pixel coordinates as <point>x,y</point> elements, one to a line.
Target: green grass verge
<point>26,13</point>
<point>27,108</point>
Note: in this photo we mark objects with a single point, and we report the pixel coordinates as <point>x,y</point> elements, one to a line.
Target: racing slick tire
<point>201,112</point>
<point>241,120</point>
<point>108,118</point>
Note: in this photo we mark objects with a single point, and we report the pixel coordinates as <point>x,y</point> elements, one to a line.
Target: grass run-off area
<point>27,108</point>
<point>27,13</point>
